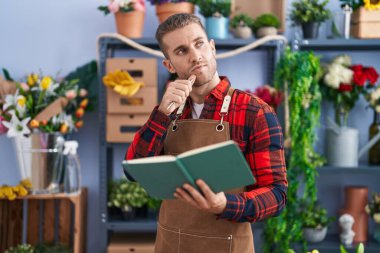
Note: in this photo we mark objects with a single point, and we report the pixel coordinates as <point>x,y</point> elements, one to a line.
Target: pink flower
<point>83,93</point>
<point>139,5</point>
<point>114,6</point>
<point>24,86</point>
<point>3,129</point>
<point>71,94</point>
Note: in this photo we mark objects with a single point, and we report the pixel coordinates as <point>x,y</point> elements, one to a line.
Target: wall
<point>58,36</point>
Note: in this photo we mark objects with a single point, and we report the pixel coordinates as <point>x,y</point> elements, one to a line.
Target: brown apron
<point>185,229</point>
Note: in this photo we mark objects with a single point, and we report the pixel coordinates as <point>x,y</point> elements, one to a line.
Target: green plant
<point>210,8</point>
<point>22,248</point>
<point>48,248</point>
<point>266,20</point>
<point>359,248</point>
<point>297,73</point>
<point>305,11</point>
<point>316,218</point>
<point>126,195</point>
<point>241,20</point>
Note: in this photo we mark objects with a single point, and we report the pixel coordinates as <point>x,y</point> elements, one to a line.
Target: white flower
<point>332,80</point>
<point>342,60</point>
<point>10,100</point>
<point>377,108</point>
<point>21,105</point>
<point>376,217</point>
<point>17,127</point>
<point>83,92</point>
<point>345,75</point>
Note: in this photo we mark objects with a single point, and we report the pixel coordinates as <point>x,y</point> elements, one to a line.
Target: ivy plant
<point>298,73</point>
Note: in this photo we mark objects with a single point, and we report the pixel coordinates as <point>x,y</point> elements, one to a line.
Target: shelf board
<point>132,226</point>
<point>231,43</point>
<point>338,44</point>
<point>368,169</point>
<point>51,196</point>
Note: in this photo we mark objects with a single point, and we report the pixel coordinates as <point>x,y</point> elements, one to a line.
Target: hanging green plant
<point>298,73</point>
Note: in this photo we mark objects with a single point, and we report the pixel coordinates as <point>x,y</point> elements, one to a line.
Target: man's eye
<point>199,43</point>
<point>180,52</point>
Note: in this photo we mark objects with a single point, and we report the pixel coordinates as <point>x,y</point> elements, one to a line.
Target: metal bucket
<point>40,158</point>
<point>342,147</point>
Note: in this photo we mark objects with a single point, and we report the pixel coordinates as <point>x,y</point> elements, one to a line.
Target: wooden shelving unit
<point>48,218</point>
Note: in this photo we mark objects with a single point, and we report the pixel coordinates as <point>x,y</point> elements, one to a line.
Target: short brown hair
<point>173,23</point>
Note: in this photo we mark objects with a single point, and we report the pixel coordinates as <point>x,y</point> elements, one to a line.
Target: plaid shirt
<point>254,126</point>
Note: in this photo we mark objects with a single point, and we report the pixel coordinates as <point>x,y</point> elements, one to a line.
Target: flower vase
<point>376,232</point>
<point>130,24</point>
<point>374,152</point>
<point>40,160</point>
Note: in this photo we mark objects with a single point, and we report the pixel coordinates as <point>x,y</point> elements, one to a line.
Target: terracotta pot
<point>130,24</point>
<point>356,198</point>
<point>165,10</point>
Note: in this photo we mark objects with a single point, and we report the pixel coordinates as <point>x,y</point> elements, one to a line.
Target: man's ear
<point>212,45</point>
<point>168,65</point>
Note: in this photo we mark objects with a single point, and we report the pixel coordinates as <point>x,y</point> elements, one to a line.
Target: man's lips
<point>197,67</point>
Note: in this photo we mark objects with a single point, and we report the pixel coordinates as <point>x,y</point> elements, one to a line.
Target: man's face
<point>189,52</point>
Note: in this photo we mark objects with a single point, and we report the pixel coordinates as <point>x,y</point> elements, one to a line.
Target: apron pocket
<point>167,240</point>
<point>195,243</point>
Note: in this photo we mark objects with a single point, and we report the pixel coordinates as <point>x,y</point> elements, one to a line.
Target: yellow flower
<point>26,183</point>
<point>22,191</point>
<point>32,79</point>
<point>21,100</point>
<point>7,191</point>
<point>372,5</point>
<point>1,193</point>
<point>12,197</point>
<point>46,82</point>
<point>376,217</point>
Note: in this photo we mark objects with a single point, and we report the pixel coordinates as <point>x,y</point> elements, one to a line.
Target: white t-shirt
<point>197,110</point>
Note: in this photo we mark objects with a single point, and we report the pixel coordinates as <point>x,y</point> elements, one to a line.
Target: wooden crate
<point>123,127</point>
<point>48,216</point>
<point>365,24</point>
<point>137,243</point>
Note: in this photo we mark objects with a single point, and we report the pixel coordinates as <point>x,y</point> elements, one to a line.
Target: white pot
<point>264,31</point>
<point>314,234</point>
<point>243,32</point>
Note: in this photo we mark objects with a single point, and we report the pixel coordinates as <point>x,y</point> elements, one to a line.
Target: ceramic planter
<point>130,24</point>
<point>314,234</point>
<point>217,27</point>
<point>264,31</point>
<point>310,30</point>
<point>242,32</point>
<point>165,10</point>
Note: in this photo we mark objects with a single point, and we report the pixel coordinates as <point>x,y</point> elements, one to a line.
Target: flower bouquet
<point>373,210</point>
<point>269,95</point>
<point>343,84</point>
<point>36,113</point>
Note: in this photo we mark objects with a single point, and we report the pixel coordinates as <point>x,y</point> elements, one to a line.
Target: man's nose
<point>195,56</point>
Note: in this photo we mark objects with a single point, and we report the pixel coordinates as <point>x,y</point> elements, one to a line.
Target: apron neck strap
<point>225,105</point>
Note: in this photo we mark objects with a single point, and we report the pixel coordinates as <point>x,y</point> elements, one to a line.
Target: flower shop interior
<point>82,83</point>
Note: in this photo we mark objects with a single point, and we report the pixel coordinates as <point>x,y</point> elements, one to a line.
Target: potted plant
<point>266,24</point>
<point>130,197</point>
<point>309,14</point>
<point>167,8</point>
<point>129,16</point>
<point>373,210</point>
<point>216,13</point>
<point>242,26</point>
<point>314,224</point>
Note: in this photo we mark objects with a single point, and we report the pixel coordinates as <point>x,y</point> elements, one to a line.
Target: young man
<point>208,221</point>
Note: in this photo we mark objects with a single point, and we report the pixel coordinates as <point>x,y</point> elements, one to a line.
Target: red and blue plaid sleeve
<point>149,140</point>
<point>265,155</point>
